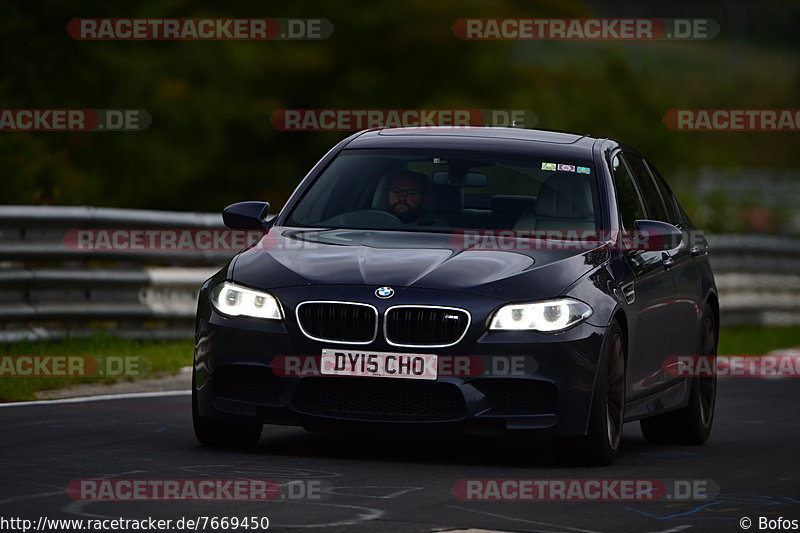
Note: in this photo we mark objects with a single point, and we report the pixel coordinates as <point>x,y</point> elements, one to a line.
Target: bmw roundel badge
<point>384,292</point>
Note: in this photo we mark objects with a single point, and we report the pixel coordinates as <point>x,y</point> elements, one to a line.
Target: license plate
<point>378,364</point>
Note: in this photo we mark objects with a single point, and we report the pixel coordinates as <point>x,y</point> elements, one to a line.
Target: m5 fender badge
<point>384,292</point>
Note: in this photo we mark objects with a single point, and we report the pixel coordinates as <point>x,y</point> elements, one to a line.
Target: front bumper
<point>523,381</point>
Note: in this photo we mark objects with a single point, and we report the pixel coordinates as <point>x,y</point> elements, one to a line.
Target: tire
<point>690,424</point>
<point>600,445</point>
<point>223,434</point>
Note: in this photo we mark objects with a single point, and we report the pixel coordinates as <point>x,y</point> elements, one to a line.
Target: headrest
<point>380,198</point>
<point>512,203</point>
<point>566,195</point>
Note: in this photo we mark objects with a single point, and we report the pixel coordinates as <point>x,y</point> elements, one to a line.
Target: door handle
<point>667,261</point>
<point>696,250</point>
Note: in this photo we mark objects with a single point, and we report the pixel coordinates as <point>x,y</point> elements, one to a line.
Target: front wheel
<point>223,434</point>
<point>690,424</point>
<point>600,445</point>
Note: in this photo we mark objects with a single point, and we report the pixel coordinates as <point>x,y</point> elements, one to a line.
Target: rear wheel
<point>223,434</point>
<point>600,445</point>
<point>690,424</point>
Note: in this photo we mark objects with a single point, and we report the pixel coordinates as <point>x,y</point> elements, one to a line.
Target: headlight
<point>234,300</point>
<point>549,316</point>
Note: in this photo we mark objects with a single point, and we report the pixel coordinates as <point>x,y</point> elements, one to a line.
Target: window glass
<point>441,190</point>
<point>630,207</point>
<point>647,187</point>
<point>666,194</point>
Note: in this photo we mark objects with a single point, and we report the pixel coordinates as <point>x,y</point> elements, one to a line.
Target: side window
<point>650,195</point>
<point>666,194</point>
<point>630,207</point>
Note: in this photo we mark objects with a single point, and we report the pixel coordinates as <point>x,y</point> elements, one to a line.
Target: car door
<point>685,274</point>
<point>652,296</point>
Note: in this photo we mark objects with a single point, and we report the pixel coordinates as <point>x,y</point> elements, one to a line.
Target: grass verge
<point>106,359</point>
<point>755,340</point>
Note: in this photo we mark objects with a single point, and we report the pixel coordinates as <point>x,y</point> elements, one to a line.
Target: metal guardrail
<point>758,278</point>
<point>36,233</point>
<point>49,289</point>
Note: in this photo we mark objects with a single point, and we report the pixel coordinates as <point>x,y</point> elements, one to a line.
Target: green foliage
<point>756,340</point>
<point>211,142</point>
<point>151,358</point>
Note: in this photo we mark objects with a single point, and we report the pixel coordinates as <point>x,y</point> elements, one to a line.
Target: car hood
<point>287,257</point>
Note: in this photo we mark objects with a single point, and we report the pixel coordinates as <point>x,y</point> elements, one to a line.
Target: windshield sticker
<point>566,168</point>
<point>548,166</point>
<point>584,170</point>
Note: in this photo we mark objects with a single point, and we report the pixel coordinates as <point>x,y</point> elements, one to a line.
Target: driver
<point>407,198</point>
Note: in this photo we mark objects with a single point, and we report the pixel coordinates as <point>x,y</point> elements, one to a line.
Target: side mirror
<point>654,235</point>
<point>246,215</point>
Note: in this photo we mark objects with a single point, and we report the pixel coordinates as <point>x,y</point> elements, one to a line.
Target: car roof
<point>488,139</point>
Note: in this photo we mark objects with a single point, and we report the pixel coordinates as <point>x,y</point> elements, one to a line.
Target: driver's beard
<point>408,216</point>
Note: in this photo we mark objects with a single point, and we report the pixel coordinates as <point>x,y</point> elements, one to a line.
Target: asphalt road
<point>399,484</point>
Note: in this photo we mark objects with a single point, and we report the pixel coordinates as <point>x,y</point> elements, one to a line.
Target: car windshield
<point>448,191</point>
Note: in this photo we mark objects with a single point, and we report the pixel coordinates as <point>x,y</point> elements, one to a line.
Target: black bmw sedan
<point>468,279</point>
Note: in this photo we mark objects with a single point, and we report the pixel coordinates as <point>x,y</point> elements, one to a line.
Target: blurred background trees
<point>211,142</point>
